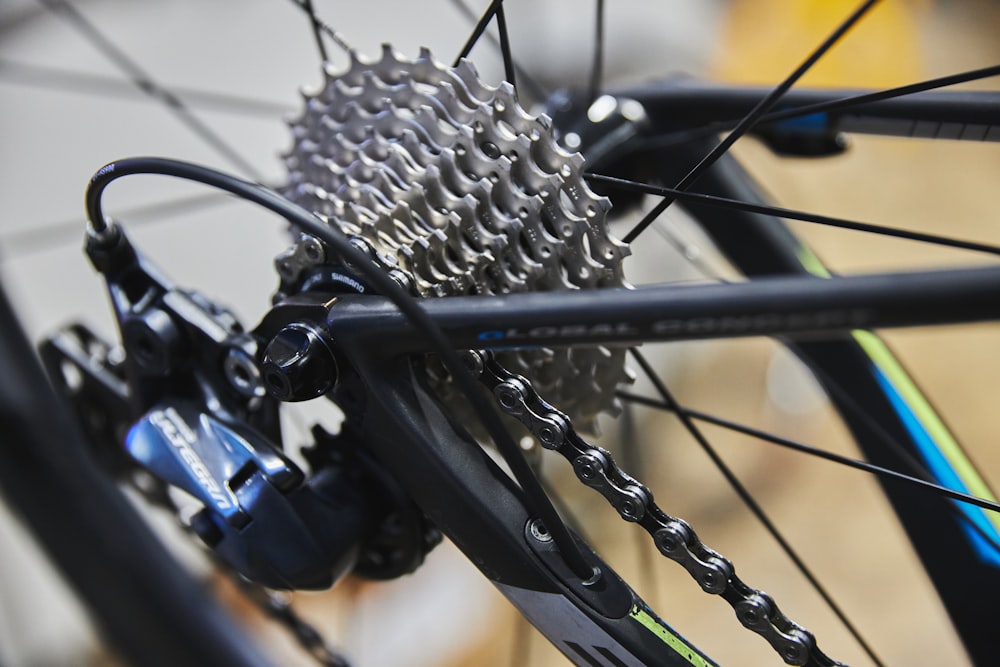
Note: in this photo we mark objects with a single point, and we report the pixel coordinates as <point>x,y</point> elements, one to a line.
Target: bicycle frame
<point>449,475</point>
<point>446,472</point>
<point>777,306</point>
<point>479,508</point>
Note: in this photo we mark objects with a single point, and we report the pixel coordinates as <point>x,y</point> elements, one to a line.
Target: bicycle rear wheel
<point>51,299</point>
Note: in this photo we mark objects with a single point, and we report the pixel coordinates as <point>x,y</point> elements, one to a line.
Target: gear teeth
<point>473,91</point>
<point>508,113</point>
<point>452,181</point>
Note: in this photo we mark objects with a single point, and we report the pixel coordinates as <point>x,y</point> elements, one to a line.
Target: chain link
<point>633,501</point>
<point>273,604</point>
<point>279,607</point>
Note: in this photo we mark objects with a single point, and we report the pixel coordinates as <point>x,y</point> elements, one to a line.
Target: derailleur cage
<point>184,398</point>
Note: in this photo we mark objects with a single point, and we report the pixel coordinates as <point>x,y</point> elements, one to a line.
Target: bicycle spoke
<point>49,235</point>
<point>848,404</point>
<point>145,83</point>
<point>748,500</point>
<point>494,10</point>
<point>597,66</point>
<point>508,61</point>
<point>87,83</point>
<point>843,397</point>
<point>478,31</point>
<point>319,26</point>
<point>829,221</point>
<point>307,5</point>
<point>632,459</point>
<point>810,450</point>
<point>867,98</point>
<point>526,81</point>
<point>751,118</point>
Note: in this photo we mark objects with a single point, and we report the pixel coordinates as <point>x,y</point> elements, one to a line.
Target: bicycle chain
<point>274,604</point>
<point>278,606</point>
<point>633,501</point>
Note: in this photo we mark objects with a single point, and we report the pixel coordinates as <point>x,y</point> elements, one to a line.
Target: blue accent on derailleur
<point>194,451</point>
<point>261,515</point>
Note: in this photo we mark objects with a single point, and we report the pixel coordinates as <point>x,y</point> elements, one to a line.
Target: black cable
<point>407,305</point>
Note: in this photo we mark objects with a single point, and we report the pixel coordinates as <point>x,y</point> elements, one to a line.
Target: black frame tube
<point>681,104</point>
<point>773,306</point>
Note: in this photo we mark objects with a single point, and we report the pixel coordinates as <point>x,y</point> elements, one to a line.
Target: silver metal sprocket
<point>453,182</point>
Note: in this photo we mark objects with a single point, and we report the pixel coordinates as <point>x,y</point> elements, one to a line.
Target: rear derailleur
<point>183,399</point>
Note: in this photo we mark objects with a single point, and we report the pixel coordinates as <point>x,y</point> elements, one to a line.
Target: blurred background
<point>66,108</point>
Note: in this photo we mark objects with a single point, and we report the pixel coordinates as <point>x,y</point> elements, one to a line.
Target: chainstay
<point>633,501</point>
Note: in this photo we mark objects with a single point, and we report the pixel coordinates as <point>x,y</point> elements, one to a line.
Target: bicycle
<point>582,329</point>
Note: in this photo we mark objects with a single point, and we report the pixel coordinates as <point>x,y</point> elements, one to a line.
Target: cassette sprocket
<point>453,182</point>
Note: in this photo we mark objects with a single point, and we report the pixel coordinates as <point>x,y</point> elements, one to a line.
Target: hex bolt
<point>153,341</point>
<point>242,373</point>
<point>539,531</point>
<point>297,365</point>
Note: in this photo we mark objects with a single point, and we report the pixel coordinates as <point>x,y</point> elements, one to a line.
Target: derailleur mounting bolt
<point>298,365</point>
